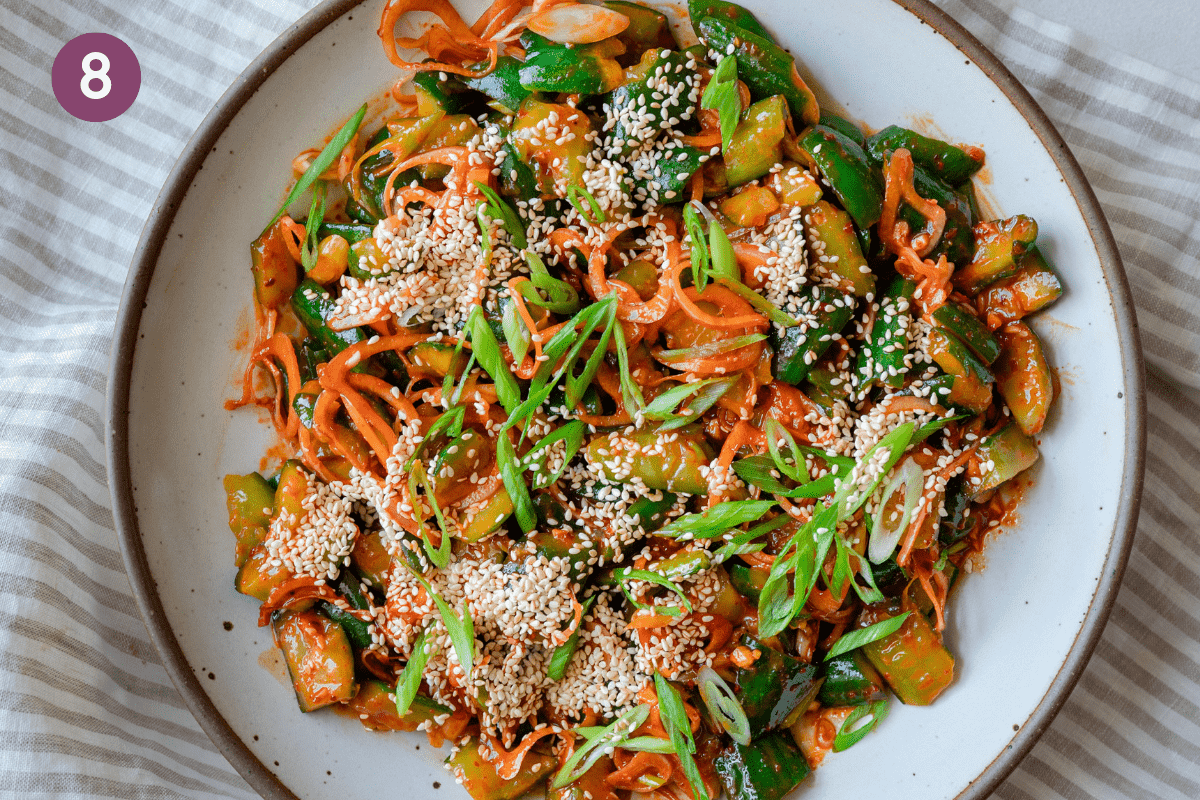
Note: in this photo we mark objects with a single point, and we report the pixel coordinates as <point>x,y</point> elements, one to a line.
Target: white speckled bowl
<point>1022,630</point>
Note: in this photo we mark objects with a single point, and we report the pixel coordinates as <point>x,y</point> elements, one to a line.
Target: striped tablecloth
<point>86,710</point>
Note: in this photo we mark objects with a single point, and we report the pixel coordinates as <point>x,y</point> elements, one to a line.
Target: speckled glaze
<point>1022,630</point>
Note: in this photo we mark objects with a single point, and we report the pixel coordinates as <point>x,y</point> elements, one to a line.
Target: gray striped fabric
<point>86,710</point>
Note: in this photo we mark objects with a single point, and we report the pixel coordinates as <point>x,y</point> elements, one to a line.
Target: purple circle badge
<point>96,77</point>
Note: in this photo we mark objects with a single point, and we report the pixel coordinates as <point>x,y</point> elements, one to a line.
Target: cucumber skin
<point>766,769</point>
<point>850,680</point>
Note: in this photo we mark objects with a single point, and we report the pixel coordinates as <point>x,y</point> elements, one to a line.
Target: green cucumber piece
<point>259,576</point>
<point>503,84</point>
<point>314,306</point>
<point>318,657</point>
<point>555,166</point>
<point>775,690</point>
<point>972,388</point>
<point>757,142</point>
<point>357,631</point>
<point>250,501</point>
<point>850,680</point>
<point>1031,288</point>
<point>856,182</point>
<point>644,106</point>
<point>963,323</point>
<point>765,67</point>
<point>845,127</point>
<point>957,242</point>
<point>913,660</point>
<point>1003,455</point>
<point>441,92</point>
<point>553,67</point>
<point>729,12</point>
<point>648,30</point>
<point>956,524</point>
<point>798,348</point>
<point>666,182</point>
<point>832,235</point>
<point>488,518</point>
<point>768,768</point>
<point>481,780</point>
<point>673,467</point>
<point>822,390</point>
<point>1023,377</point>
<point>749,581</point>
<point>942,159</point>
<point>351,232</point>
<point>881,357</point>
<point>999,246</point>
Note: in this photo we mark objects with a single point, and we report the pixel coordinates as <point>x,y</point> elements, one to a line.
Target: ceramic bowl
<point>1022,629</point>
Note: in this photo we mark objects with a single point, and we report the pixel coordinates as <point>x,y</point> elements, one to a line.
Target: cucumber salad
<point>642,415</point>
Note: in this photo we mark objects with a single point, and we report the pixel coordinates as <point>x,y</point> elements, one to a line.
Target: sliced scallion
<point>855,727</point>
<point>723,705</point>
<point>857,638</point>
<point>322,162</point>
<point>886,526</point>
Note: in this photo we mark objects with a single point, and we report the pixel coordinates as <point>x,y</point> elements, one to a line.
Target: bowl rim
<point>162,215</point>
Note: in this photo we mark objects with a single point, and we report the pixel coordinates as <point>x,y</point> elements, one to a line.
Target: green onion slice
<point>559,296</point>
<point>797,468</point>
<point>719,347</point>
<point>572,433</point>
<point>854,728</point>
<point>561,657</point>
<point>716,521</point>
<point>886,529</point>
<point>871,633</point>
<point>322,161</point>
<point>499,209</point>
<point>512,473</point>
<point>722,94</point>
<point>631,393</point>
<point>679,731</point>
<point>723,705</point>
<point>695,229</point>
<point>576,195</point>
<point>663,406</point>
<point>316,214</point>
<point>776,315</point>
<point>410,679</point>
<point>515,335</point>
<point>626,574</point>
<point>744,542</point>
<point>487,352</point>
<point>614,735</point>
<point>895,442</point>
<point>724,262</point>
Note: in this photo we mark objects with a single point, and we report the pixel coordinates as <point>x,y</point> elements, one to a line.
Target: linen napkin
<point>86,710</point>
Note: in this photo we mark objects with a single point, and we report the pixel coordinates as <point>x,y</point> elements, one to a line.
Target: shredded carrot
<point>933,277</point>
<point>759,559</point>
<point>643,621</point>
<point>453,39</point>
<point>898,404</point>
<point>294,235</point>
<point>629,775</point>
<point>562,636</point>
<point>630,306</point>
<point>720,296</point>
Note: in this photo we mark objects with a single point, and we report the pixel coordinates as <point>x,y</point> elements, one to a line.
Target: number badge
<point>96,77</point>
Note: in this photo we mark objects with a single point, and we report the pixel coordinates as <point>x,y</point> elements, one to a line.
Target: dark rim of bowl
<point>162,215</point>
